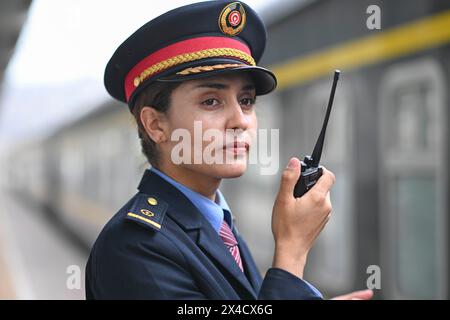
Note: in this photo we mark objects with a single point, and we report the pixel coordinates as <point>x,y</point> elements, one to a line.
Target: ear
<point>154,123</point>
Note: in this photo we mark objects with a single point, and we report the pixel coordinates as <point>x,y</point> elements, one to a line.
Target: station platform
<point>36,254</point>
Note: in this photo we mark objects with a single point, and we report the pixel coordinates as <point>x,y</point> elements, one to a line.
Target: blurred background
<point>70,156</point>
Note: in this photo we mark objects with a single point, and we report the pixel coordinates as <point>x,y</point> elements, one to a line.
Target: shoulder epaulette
<point>148,210</point>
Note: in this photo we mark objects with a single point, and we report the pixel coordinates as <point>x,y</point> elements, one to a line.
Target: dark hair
<point>157,95</point>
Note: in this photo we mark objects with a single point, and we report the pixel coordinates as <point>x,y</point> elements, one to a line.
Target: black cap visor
<point>265,81</point>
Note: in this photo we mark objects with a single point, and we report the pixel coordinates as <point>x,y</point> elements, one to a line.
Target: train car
<point>387,143</point>
<point>93,167</point>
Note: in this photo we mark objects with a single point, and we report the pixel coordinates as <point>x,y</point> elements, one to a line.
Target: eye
<point>211,102</point>
<point>248,102</point>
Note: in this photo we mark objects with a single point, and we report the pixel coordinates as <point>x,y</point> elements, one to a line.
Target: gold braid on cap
<point>193,56</point>
<point>201,69</point>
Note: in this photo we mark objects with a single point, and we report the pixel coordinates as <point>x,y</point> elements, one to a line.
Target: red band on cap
<point>177,49</point>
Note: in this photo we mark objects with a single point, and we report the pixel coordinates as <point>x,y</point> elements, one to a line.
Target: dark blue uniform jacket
<point>158,246</point>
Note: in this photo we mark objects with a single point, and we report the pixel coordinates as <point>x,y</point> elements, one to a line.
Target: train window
<point>413,120</point>
<point>72,165</point>
<point>412,194</point>
<point>92,176</point>
<point>106,156</point>
<point>123,166</point>
<point>414,202</point>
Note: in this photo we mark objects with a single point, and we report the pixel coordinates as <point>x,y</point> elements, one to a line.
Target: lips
<point>237,147</point>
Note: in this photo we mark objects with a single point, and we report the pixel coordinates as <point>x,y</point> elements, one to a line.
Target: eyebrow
<point>221,86</point>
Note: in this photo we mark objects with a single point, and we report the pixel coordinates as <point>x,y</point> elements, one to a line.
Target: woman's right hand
<point>296,222</point>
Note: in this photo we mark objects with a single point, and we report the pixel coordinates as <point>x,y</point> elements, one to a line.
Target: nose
<point>236,118</point>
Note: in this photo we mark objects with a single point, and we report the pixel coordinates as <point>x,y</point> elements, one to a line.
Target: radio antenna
<point>317,153</point>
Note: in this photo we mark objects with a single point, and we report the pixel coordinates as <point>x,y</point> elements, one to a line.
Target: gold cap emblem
<point>232,19</point>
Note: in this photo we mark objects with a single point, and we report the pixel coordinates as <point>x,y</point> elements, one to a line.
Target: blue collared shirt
<point>214,212</point>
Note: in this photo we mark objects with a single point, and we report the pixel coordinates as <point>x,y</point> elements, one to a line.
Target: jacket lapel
<point>251,270</point>
<point>183,211</point>
<point>213,246</point>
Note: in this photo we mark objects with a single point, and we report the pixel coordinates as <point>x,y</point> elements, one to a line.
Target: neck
<point>199,182</point>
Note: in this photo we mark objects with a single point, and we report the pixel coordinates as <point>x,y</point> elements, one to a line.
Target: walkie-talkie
<point>311,171</point>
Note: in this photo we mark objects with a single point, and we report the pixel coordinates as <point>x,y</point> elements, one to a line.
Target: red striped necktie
<point>231,243</point>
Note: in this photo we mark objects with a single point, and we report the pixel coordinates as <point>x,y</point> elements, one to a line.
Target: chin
<point>229,171</point>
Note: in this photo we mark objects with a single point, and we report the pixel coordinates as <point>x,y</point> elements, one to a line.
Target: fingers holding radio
<point>325,182</point>
<point>296,222</point>
<point>289,178</point>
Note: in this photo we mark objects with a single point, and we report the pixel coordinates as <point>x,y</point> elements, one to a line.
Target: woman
<point>175,239</point>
